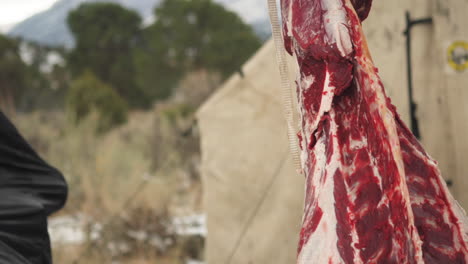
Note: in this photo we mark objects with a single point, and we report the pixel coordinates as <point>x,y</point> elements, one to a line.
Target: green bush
<point>88,94</point>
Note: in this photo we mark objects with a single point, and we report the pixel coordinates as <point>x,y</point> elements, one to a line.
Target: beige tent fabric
<point>450,92</point>
<point>253,196</point>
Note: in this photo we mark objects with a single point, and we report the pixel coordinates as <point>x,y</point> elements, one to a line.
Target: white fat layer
<point>336,25</point>
<point>388,119</point>
<point>358,144</point>
<point>289,22</point>
<point>322,244</point>
<point>460,240</point>
<point>355,145</point>
<point>375,170</point>
<point>325,106</point>
<point>326,102</point>
<point>373,86</point>
<point>305,139</point>
<point>337,32</point>
<point>307,82</point>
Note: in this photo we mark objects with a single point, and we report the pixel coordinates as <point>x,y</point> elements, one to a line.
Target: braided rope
<point>287,92</point>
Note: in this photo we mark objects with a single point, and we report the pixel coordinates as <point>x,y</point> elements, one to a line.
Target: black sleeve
<point>30,190</point>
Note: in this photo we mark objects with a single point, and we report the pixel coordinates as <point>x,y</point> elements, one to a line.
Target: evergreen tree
<point>89,94</point>
<point>189,36</point>
<point>106,35</point>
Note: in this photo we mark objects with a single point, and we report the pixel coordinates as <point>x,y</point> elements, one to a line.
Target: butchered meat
<point>373,195</point>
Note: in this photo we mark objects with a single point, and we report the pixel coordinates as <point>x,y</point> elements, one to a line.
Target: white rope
<point>287,93</point>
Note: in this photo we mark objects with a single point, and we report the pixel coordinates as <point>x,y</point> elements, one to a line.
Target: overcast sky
<point>14,11</point>
<point>249,10</point>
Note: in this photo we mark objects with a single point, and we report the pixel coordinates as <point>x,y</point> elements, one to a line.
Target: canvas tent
<point>250,187</point>
<point>252,193</point>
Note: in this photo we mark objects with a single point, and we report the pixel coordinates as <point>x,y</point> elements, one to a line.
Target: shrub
<point>88,94</point>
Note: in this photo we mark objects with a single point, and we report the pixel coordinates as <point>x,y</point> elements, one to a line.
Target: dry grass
<point>135,177</point>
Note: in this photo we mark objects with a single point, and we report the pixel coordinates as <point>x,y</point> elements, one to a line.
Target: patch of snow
<point>71,230</point>
<point>193,261</point>
<point>190,225</point>
<point>66,230</point>
<point>118,248</point>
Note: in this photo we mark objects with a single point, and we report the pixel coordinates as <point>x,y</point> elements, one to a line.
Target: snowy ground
<point>67,230</point>
<point>193,225</point>
<point>70,230</point>
<point>191,261</point>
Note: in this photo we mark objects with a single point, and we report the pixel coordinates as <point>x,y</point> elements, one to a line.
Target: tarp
<point>30,191</point>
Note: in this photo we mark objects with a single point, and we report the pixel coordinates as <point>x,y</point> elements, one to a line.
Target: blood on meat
<point>373,195</point>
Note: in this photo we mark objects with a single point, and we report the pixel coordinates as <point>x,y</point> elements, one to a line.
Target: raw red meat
<point>373,195</point>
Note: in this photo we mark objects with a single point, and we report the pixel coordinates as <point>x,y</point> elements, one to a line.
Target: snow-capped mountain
<point>49,27</point>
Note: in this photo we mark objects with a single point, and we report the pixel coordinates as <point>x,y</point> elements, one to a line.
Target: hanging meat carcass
<point>373,195</point>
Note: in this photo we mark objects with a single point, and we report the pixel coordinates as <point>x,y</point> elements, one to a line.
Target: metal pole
<point>412,105</point>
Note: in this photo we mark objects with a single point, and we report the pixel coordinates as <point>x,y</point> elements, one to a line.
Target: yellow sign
<point>458,55</point>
